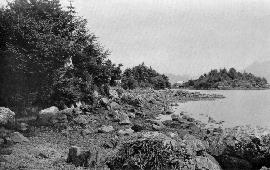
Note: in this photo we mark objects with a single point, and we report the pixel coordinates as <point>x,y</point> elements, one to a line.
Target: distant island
<point>227,80</point>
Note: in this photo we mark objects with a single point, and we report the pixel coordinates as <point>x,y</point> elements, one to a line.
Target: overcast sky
<point>181,36</point>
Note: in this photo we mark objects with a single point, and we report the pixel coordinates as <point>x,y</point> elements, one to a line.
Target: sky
<point>180,36</point>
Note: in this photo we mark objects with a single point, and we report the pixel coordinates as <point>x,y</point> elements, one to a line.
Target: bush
<point>147,154</point>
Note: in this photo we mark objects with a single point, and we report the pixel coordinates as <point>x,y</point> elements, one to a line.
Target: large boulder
<point>44,116</point>
<point>7,117</point>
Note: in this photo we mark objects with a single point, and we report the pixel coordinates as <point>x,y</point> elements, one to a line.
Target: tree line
<point>38,39</point>
<point>226,79</point>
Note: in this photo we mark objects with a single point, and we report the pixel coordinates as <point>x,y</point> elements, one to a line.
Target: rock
<point>113,94</point>
<point>105,129</point>
<point>193,143</point>
<point>85,132</point>
<point>78,157</point>
<point>131,115</point>
<point>126,131</point>
<point>7,117</point>
<point>104,101</point>
<point>124,119</point>
<point>175,117</point>
<point>82,120</point>
<point>17,137</point>
<point>44,116</point>
<point>115,106</point>
<point>22,127</point>
<point>68,112</point>
<point>173,135</point>
<point>207,163</point>
<point>95,94</point>
<point>230,162</point>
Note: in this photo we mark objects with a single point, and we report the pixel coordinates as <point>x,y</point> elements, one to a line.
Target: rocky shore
<point>126,131</point>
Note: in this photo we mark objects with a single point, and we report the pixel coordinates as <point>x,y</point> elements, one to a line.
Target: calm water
<point>240,107</point>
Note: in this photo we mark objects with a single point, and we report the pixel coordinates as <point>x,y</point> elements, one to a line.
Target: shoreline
<point>128,116</point>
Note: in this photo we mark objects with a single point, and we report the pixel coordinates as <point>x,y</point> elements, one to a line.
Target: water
<point>240,107</point>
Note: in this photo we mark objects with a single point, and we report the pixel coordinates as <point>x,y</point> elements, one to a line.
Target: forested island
<point>225,80</point>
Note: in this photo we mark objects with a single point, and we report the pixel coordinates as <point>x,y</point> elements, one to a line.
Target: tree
<point>143,76</point>
<point>39,36</point>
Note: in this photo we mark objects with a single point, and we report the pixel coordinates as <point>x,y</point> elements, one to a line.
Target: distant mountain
<point>261,69</point>
<point>173,78</point>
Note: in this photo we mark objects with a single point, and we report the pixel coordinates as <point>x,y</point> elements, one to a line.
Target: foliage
<point>143,76</point>
<point>38,38</point>
<point>224,79</point>
<point>147,154</point>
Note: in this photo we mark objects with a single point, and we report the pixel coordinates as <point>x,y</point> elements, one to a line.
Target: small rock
<point>22,127</point>
<point>173,135</point>
<point>113,94</point>
<point>115,106</point>
<point>82,120</point>
<point>85,132</point>
<point>95,94</point>
<point>175,117</point>
<point>126,131</point>
<point>43,156</point>
<point>104,101</point>
<point>17,137</point>
<point>131,115</point>
<point>105,129</point>
<point>124,119</point>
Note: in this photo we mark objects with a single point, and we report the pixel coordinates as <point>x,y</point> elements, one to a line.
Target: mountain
<point>261,69</point>
<point>173,78</point>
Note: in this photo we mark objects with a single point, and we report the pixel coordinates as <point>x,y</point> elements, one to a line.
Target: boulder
<point>7,117</point>
<point>17,137</point>
<point>207,163</point>
<point>44,116</point>
<point>105,129</point>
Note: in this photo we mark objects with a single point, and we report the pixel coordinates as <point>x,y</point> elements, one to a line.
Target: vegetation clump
<point>147,154</point>
<point>224,79</point>
<point>144,77</point>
